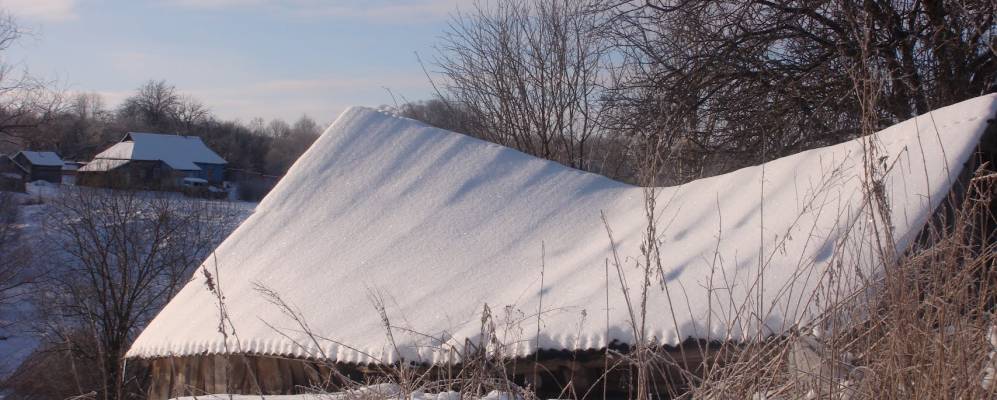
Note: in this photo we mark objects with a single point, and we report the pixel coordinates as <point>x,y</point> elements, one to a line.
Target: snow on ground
<point>437,225</point>
<point>18,338</point>
<point>385,391</point>
<point>17,341</point>
<point>269,396</point>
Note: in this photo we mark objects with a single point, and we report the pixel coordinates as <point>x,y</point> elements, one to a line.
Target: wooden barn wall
<point>245,374</point>
<point>197,375</point>
<point>146,175</point>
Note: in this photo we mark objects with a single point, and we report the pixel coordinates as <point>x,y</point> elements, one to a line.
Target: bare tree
<point>529,72</point>
<point>290,143</point>
<point>88,105</point>
<point>278,129</point>
<point>189,113</point>
<point>154,105</point>
<point>124,255</point>
<point>25,101</point>
<point>724,84</point>
<point>305,127</point>
<point>258,126</point>
<point>81,130</point>
<point>439,113</point>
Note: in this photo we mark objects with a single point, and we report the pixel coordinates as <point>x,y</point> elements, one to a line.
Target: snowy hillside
<point>438,224</point>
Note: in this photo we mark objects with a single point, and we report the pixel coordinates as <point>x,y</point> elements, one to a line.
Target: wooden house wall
<point>233,374</point>
<point>152,175</point>
<point>40,172</point>
<point>556,372</point>
<point>45,173</point>
<point>213,173</point>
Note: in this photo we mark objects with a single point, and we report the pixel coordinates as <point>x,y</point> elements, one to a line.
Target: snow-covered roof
<point>438,224</point>
<point>102,165</point>
<point>179,152</point>
<point>42,158</point>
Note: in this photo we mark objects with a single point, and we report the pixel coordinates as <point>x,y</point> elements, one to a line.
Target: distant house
<point>154,161</point>
<point>37,166</point>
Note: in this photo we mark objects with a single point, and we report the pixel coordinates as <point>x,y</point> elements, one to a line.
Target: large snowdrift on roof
<point>437,225</point>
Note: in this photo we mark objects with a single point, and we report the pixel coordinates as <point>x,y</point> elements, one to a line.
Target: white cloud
<point>46,10</point>
<point>321,98</point>
<point>113,98</point>
<point>371,10</point>
<point>326,84</point>
<point>217,3</point>
<point>131,61</point>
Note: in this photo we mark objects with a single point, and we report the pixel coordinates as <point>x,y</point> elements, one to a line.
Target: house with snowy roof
<point>154,160</point>
<point>388,219</point>
<point>35,166</point>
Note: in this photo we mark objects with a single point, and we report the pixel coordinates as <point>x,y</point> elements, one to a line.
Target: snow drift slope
<point>438,225</point>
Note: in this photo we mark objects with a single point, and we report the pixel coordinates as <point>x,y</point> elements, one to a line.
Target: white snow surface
<point>18,323</point>
<point>179,152</point>
<point>438,224</point>
<point>383,391</point>
<point>43,158</point>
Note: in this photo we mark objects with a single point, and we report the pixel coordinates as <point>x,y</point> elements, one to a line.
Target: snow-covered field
<point>17,322</point>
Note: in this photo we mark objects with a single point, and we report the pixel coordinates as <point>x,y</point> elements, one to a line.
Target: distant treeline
<point>83,125</point>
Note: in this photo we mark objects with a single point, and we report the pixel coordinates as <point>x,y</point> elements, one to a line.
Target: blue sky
<point>242,58</point>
